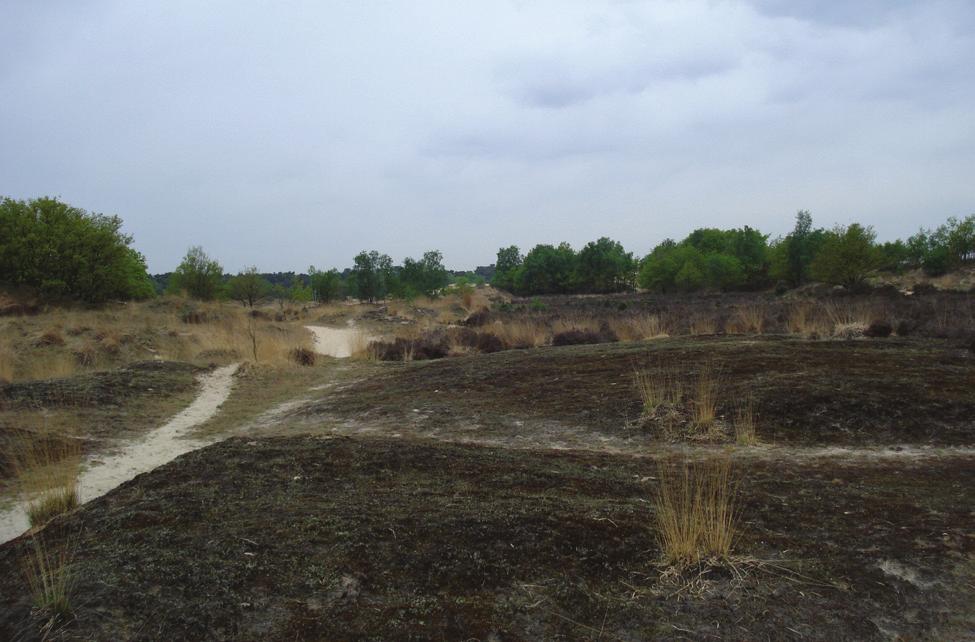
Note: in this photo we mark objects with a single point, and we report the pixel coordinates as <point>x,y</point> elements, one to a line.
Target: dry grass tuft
<point>49,577</point>
<point>658,389</point>
<point>696,512</point>
<point>46,466</point>
<point>745,434</point>
<point>703,325</point>
<point>705,396</point>
<point>638,328</point>
<point>522,334</point>
<point>748,319</point>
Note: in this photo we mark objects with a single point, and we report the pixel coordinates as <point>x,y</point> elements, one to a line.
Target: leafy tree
<point>426,276</point>
<point>65,251</point>
<point>658,270</point>
<point>604,266</point>
<point>325,286</point>
<point>248,287</point>
<point>299,292</point>
<point>546,270</point>
<point>847,256</point>
<point>508,261</point>
<point>198,275</point>
<point>791,258</point>
<point>371,275</point>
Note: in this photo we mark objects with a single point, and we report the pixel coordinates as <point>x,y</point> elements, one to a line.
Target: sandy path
<point>337,342</point>
<point>102,474</point>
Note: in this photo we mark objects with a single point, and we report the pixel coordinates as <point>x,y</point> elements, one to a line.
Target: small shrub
<point>86,355</point>
<point>303,356</point>
<point>487,343</point>
<point>477,319</point>
<point>51,337</point>
<point>878,329</point>
<point>576,337</point>
<point>905,327</point>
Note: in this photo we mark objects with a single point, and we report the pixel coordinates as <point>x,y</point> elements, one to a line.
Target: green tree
<point>248,287</point>
<point>325,286</point>
<point>604,266</point>
<point>64,251</point>
<point>299,291</point>
<point>505,267</point>
<point>427,276</point>
<point>198,275</point>
<point>846,256</point>
<point>546,270</point>
<point>371,275</point>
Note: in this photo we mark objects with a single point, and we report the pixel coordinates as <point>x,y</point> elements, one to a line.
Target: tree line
<point>736,259</point>
<point>64,252</point>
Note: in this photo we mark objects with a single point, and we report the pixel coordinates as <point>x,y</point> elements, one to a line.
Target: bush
<point>487,343</point>
<point>197,275</point>
<point>64,251</point>
<point>878,329</point>
<point>303,356</point>
<point>847,256</point>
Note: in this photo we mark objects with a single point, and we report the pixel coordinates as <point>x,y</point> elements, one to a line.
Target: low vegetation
<point>46,466</point>
<point>696,512</point>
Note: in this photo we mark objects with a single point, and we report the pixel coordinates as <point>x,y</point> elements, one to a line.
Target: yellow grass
<point>522,333</point>
<point>657,389</point>
<point>745,434</point>
<point>695,512</point>
<point>747,319</point>
<point>46,466</point>
<point>806,320</point>
<point>638,328</point>
<point>703,325</point>
<point>49,577</point>
<point>705,396</point>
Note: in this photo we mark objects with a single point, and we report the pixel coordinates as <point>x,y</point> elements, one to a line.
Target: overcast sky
<point>283,134</point>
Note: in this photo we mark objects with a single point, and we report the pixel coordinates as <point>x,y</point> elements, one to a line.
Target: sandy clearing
<point>337,342</point>
<point>102,474</point>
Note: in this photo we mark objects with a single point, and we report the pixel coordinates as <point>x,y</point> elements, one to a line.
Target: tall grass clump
<point>696,512</point>
<point>658,389</point>
<point>49,578</point>
<point>46,467</point>
<point>705,396</point>
<point>745,434</point>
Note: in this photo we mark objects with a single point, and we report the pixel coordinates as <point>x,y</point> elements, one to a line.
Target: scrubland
<point>631,467</point>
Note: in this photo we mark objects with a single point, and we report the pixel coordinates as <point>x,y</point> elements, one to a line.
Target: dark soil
<point>111,387</point>
<point>858,392</point>
<point>338,539</point>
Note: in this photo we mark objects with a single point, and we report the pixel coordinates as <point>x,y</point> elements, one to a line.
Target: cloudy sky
<point>283,134</point>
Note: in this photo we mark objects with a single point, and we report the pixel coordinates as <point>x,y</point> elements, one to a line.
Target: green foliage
<point>299,292</point>
<point>708,258</point>
<point>846,256</point>
<point>946,248</point>
<point>604,266</point>
<point>426,276</point>
<point>372,275</point>
<point>546,270</point>
<point>505,268</point>
<point>197,275</point>
<point>325,286</point>
<point>248,287</point>
<point>64,251</point>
